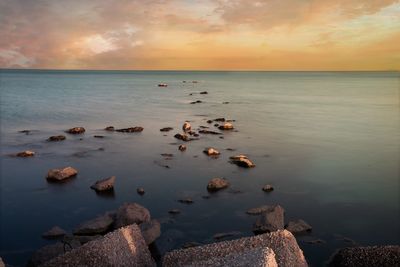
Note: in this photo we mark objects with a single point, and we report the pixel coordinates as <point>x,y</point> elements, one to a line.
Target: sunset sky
<point>200,35</point>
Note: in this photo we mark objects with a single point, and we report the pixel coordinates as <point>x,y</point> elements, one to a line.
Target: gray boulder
<point>216,184</point>
<point>270,220</point>
<point>130,213</point>
<point>150,231</point>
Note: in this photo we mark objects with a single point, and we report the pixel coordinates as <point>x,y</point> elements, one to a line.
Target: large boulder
<point>123,247</point>
<point>98,225</point>
<point>76,130</point>
<point>130,213</point>
<point>269,221</point>
<point>104,184</point>
<point>150,231</point>
<point>298,227</point>
<point>216,184</point>
<point>248,251</point>
<point>61,174</point>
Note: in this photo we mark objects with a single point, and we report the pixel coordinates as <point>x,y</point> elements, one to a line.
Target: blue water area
<point>327,141</point>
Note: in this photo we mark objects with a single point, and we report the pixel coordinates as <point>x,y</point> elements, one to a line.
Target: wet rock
<point>98,225</point>
<point>25,154</point>
<point>182,137</point>
<point>56,138</point>
<point>174,211</point>
<point>204,93</point>
<point>150,231</point>
<point>209,121</point>
<point>130,213</point>
<point>140,191</point>
<point>196,102</point>
<point>186,127</point>
<point>211,151</point>
<point>220,119</point>
<point>267,188</point>
<point>76,130</point>
<point>270,220</point>
<point>220,236</point>
<point>209,132</point>
<point>61,174</point>
<point>242,161</point>
<point>54,232</point>
<point>49,252</point>
<point>226,126</point>
<point>191,244</point>
<point>104,184</point>
<point>98,136</point>
<point>298,227</point>
<point>186,200</point>
<point>110,128</point>
<point>182,147</point>
<point>216,125</point>
<point>216,184</point>
<point>25,132</point>
<point>167,155</point>
<point>258,210</point>
<point>136,129</point>
<point>162,85</point>
<point>166,129</point>
<point>225,102</point>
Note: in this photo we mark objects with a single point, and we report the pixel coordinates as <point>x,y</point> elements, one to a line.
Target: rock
<point>211,151</point>
<point>150,231</point>
<point>123,247</point>
<point>162,85</point>
<point>209,132</point>
<point>76,130</point>
<point>110,128</point>
<point>298,227</point>
<point>242,161</point>
<point>25,132</point>
<point>186,200</point>
<point>220,119</point>
<point>130,213</point>
<point>174,211</point>
<point>258,210</point>
<point>98,225</point>
<point>216,184</point>
<point>315,241</point>
<point>226,126</point>
<point>2,263</point>
<point>225,235</point>
<point>56,138</point>
<point>186,127</point>
<point>54,232</point>
<point>136,129</point>
<point>61,174</point>
<point>267,188</point>
<point>166,129</point>
<point>204,93</point>
<point>366,256</point>
<point>182,137</point>
<point>203,127</point>
<point>46,253</point>
<point>196,102</point>
<point>140,191</point>
<point>104,184</point>
<point>209,121</point>
<point>25,154</point>
<point>270,220</point>
<point>273,249</point>
<point>226,102</point>
<point>182,147</point>
<point>98,136</point>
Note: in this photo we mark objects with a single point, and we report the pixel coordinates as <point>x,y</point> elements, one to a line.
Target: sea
<point>328,142</point>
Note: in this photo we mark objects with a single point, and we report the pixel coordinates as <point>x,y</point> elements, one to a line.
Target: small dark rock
<point>98,136</point>
<point>187,200</point>
<point>267,188</point>
<point>76,130</point>
<point>216,184</point>
<point>204,93</point>
<point>209,132</point>
<point>174,211</point>
<point>104,184</point>
<point>110,128</point>
<point>182,137</point>
<point>209,121</point>
<point>166,129</point>
<point>135,129</point>
<point>140,191</point>
<point>182,147</point>
<point>56,138</point>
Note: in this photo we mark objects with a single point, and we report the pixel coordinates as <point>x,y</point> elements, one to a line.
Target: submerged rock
<point>110,128</point>
<point>150,231</point>
<point>186,200</point>
<point>196,102</point>
<point>49,252</point>
<point>258,210</point>
<point>54,232</point>
<point>174,211</point>
<point>25,154</point>
<point>226,126</point>
<point>270,220</point>
<point>209,121</point>
<point>104,184</point>
<point>182,137</point>
<point>186,127</point>
<point>76,130</point>
<point>216,184</point>
<point>98,136</point>
<point>140,191</point>
<point>182,147</point>
<point>220,119</point>
<point>136,129</point>
<point>298,227</point>
<point>211,151</point>
<point>204,93</point>
<point>56,138</point>
<point>242,161</point>
<point>61,174</point>
<point>130,213</point>
<point>166,129</point>
<point>267,188</point>
<point>209,132</point>
<point>98,225</point>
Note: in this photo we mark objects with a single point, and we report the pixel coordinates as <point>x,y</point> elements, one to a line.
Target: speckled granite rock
<point>123,247</point>
<point>2,263</point>
<point>283,244</point>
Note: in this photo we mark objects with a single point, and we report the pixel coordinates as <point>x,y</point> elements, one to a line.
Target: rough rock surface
<point>104,184</point>
<point>61,174</point>
<point>123,247</point>
<point>56,138</point>
<point>216,184</point>
<point>242,161</point>
<point>54,232</point>
<point>130,213</point>
<point>366,257</point>
<point>76,130</point>
<point>150,231</point>
<point>211,151</point>
<point>49,252</point>
<point>298,227</point>
<point>98,225</point>
<point>135,129</point>
<point>283,244</point>
<point>270,220</point>
<point>26,154</point>
<point>2,263</point>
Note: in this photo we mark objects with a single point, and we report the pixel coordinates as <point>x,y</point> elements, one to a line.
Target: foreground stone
<point>54,232</point>
<point>150,231</point>
<point>242,161</point>
<point>56,138</point>
<point>135,129</point>
<point>274,249</point>
<point>131,213</point>
<point>76,130</point>
<point>25,154</point>
<point>211,151</point>
<point>268,188</point>
<point>366,257</point>
<point>270,220</point>
<point>61,174</point>
<point>216,184</point>
<point>46,253</point>
<point>298,227</point>
<point>98,225</point>
<point>123,247</point>
<point>104,184</point>
<point>2,263</point>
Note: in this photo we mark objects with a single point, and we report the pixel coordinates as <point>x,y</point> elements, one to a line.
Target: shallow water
<point>327,141</point>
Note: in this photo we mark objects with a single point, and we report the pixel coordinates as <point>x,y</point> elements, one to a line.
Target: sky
<point>200,35</point>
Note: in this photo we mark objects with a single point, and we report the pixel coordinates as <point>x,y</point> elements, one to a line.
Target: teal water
<point>327,141</point>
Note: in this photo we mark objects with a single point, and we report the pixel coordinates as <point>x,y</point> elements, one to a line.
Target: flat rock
<point>259,210</point>
<point>150,231</point>
<point>242,161</point>
<point>25,154</point>
<point>61,174</point>
<point>54,232</point>
<point>123,247</point>
<point>216,184</point>
<point>211,151</point>
<point>203,131</point>
<point>130,213</point>
<point>366,257</point>
<point>56,138</point>
<point>136,129</point>
<point>166,129</point>
<point>76,130</point>
<point>249,251</point>
<point>104,184</point>
<point>98,225</point>
<point>298,227</point>
<point>270,220</point>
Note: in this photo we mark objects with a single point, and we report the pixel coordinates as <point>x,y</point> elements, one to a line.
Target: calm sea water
<point>327,141</point>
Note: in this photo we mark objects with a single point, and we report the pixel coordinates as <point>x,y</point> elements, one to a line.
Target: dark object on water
<point>98,136</point>
<point>162,85</point>
<point>25,154</point>
<point>56,138</point>
<point>204,93</point>
<point>182,147</point>
<point>140,191</point>
<point>104,184</point>
<point>109,128</point>
<point>182,137</point>
<point>76,130</point>
<point>135,129</point>
<point>166,129</point>
<point>196,102</point>
<point>209,132</point>
<point>187,200</point>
